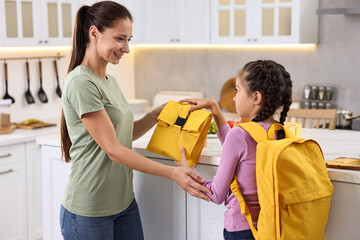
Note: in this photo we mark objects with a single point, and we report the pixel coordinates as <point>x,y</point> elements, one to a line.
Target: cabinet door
<point>205,220</point>
<point>276,21</point>
<point>192,21</point>
<point>159,16</point>
<point>13,201</point>
<point>19,23</point>
<point>58,17</point>
<point>54,174</point>
<point>344,215</point>
<point>34,190</point>
<point>231,21</point>
<point>162,206</point>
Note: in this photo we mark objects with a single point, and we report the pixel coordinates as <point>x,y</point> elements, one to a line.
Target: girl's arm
<point>105,136</point>
<point>207,103</point>
<point>144,124</point>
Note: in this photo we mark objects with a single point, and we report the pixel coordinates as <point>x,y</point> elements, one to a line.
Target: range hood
<point>345,11</point>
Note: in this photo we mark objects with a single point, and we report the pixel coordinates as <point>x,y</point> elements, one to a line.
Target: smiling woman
<point>97,130</point>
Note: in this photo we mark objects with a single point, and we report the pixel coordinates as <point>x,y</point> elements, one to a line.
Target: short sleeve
<point>84,96</point>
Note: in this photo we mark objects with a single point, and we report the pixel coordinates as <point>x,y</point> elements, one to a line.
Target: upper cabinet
<point>36,23</point>
<point>174,21</point>
<point>264,21</point>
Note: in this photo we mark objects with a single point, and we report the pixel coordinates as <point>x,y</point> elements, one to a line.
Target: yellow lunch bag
<point>176,128</point>
<point>294,189</point>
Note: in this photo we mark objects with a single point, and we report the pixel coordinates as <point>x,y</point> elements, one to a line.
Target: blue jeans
<point>125,225</point>
<point>240,235</point>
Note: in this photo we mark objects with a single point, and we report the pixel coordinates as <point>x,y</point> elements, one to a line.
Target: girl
<point>97,130</point>
<point>262,87</point>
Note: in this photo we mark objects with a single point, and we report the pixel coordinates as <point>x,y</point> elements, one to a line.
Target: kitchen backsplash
<point>17,83</point>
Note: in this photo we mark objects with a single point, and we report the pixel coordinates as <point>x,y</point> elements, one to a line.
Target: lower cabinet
<point>168,212</point>
<point>54,174</point>
<point>21,192</point>
<point>34,191</point>
<point>13,201</point>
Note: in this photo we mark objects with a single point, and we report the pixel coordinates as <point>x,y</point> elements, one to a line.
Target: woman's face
<point>243,100</point>
<point>113,42</point>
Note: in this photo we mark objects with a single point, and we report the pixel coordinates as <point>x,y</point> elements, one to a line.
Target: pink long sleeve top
<point>238,156</point>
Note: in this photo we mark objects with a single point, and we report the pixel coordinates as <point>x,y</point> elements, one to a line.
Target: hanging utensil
<point>41,93</point>
<point>58,90</point>
<point>7,96</point>
<point>28,96</point>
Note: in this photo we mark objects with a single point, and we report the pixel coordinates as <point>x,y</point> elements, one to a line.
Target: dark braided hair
<point>274,83</point>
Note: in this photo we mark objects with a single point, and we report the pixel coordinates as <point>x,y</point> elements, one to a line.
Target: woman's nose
<point>126,48</point>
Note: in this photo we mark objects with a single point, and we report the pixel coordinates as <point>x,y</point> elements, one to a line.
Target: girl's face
<point>246,103</point>
<point>113,43</point>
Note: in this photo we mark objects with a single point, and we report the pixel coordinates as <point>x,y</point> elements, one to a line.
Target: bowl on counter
<point>138,105</point>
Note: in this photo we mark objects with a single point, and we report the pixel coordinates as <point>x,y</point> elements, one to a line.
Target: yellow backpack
<point>294,189</point>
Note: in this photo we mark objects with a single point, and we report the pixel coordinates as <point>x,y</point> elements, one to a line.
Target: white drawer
<point>12,153</point>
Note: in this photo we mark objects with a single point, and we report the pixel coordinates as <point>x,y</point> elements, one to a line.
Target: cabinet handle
<point>255,39</point>
<point>5,172</point>
<point>172,40</point>
<point>40,41</point>
<point>6,155</point>
<point>178,40</point>
<point>249,40</point>
<point>46,41</point>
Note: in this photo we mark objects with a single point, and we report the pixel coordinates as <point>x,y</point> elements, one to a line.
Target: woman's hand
<point>183,162</point>
<point>190,182</point>
<point>200,103</point>
<point>156,111</point>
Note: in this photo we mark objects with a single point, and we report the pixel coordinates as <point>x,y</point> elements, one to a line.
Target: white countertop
<point>26,135</point>
<point>334,144</point>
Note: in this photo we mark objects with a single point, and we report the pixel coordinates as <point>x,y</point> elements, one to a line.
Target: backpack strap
<point>234,186</point>
<point>256,131</point>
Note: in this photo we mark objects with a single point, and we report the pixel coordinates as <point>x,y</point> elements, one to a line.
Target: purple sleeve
<point>230,157</point>
<point>222,132</point>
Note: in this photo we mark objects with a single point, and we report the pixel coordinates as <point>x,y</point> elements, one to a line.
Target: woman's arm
<point>105,136</point>
<point>145,123</point>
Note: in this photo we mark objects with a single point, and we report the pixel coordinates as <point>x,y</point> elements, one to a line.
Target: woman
<point>97,130</point>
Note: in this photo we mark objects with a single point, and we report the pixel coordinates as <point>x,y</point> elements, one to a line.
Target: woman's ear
<point>257,98</point>
<point>93,33</point>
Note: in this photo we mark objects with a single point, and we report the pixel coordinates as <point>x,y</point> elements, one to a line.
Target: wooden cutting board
<point>344,163</point>
<point>7,130</point>
<point>35,125</point>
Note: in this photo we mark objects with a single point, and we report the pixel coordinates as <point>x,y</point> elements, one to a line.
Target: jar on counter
<point>307,91</point>
<point>313,105</point>
<point>314,92</point>
<point>321,93</point>
<point>329,93</point>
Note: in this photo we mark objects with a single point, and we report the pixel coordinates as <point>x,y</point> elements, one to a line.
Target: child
<point>262,87</point>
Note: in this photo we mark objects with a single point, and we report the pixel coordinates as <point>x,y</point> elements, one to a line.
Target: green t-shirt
<point>97,186</point>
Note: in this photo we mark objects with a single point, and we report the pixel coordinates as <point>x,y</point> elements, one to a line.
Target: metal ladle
<point>58,90</point>
<point>41,93</point>
<point>7,96</point>
<point>28,96</point>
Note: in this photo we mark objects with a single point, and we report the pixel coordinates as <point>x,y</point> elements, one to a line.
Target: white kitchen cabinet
<point>264,21</point>
<point>34,190</point>
<point>36,23</point>
<point>162,205</point>
<point>54,173</point>
<point>205,220</point>
<point>175,21</point>
<point>13,192</point>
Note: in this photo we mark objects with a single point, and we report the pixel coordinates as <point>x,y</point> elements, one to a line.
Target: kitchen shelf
<point>32,57</point>
<point>345,11</point>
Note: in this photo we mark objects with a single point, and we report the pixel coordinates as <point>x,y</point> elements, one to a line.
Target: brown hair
<point>102,15</point>
<point>273,81</point>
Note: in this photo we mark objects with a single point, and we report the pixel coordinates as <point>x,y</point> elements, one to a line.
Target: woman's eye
<point>120,39</point>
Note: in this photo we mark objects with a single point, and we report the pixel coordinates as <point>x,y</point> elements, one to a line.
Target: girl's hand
<point>200,103</point>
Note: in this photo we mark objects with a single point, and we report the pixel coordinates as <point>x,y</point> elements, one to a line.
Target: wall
<point>335,61</point>
<point>20,110</point>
